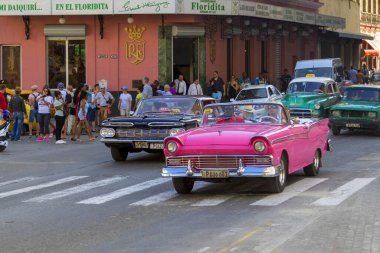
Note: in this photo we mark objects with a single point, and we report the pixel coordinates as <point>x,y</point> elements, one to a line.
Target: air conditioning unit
<point>188,31</point>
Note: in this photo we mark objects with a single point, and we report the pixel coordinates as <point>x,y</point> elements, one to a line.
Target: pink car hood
<point>231,135</point>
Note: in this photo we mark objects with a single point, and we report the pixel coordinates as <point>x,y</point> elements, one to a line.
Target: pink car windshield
<point>244,114</point>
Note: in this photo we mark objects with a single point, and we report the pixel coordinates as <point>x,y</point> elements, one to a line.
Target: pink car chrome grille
<point>204,162</point>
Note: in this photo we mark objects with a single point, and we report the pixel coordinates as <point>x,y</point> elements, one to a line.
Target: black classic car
<point>155,119</point>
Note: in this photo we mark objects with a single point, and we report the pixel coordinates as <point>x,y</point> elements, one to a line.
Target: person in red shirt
<point>3,102</point>
<point>229,117</point>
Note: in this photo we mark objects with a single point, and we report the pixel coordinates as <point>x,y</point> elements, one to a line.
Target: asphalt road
<point>74,198</point>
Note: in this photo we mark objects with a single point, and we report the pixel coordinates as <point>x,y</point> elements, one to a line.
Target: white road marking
<point>343,192</point>
<point>75,190</point>
<point>40,186</point>
<point>123,192</point>
<point>24,179</point>
<point>212,201</point>
<point>289,192</point>
<point>204,249</point>
<point>155,199</point>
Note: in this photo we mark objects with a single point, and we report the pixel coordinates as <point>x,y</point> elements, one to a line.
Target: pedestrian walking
<point>76,100</point>
<point>83,109</point>
<point>91,114</point>
<point>45,102</point>
<point>59,105</point>
<point>70,107</point>
<point>17,107</point>
<point>365,72</point>
<point>33,113</point>
<point>125,102</point>
<point>180,85</point>
<point>105,101</point>
<point>195,89</point>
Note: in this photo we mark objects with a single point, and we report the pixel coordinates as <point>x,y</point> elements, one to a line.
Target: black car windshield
<point>188,106</point>
<point>306,87</point>
<point>252,94</point>
<point>313,72</point>
<point>362,94</point>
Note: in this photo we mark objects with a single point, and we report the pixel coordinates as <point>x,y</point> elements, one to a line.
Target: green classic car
<point>311,97</point>
<point>360,109</point>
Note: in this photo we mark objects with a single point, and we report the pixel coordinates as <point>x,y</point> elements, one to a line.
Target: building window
<point>10,65</point>
<point>364,6</point>
<point>369,9</point>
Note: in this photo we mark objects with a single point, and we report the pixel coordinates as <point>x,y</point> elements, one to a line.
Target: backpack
<point>35,104</point>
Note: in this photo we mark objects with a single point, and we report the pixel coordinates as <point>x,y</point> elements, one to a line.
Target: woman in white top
<point>45,102</point>
<point>195,89</point>
<point>82,116</point>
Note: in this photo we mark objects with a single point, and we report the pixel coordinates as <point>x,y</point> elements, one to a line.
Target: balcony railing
<point>370,19</point>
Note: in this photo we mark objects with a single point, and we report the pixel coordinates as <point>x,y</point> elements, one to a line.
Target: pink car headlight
<point>260,146</point>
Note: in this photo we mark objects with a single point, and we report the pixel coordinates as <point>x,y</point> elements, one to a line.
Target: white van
<point>332,68</point>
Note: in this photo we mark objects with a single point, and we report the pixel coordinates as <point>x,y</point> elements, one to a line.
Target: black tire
<point>2,148</point>
<point>335,130</point>
<point>377,132</point>
<point>277,184</point>
<point>313,169</point>
<point>183,185</point>
<point>119,154</point>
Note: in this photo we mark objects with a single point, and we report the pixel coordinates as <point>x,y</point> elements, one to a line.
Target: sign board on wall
<point>211,7</point>
<point>82,7</point>
<point>25,7</point>
<point>145,6</point>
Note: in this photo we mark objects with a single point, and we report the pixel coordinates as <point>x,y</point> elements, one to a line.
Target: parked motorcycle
<point>4,125</point>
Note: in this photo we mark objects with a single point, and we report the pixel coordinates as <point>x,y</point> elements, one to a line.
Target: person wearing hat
<point>17,107</point>
<point>248,113</point>
<point>125,102</point>
<point>33,113</point>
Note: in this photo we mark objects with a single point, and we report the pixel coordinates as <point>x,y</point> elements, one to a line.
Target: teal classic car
<point>311,97</point>
<point>360,109</point>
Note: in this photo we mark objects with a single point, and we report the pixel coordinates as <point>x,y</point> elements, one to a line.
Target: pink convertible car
<point>245,140</point>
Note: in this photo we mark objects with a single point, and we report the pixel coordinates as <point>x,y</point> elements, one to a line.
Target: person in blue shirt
<point>244,79</point>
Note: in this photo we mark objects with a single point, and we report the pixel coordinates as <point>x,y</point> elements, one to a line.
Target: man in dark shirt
<point>285,78</point>
<point>218,86</point>
<point>17,107</point>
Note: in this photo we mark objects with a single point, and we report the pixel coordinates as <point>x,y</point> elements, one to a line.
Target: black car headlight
<point>107,132</point>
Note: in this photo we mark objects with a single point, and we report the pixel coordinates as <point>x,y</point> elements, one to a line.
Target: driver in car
<point>229,116</point>
<point>273,116</point>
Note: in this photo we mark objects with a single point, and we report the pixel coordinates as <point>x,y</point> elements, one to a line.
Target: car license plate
<point>156,146</point>
<point>140,144</point>
<point>353,125</point>
<point>215,173</point>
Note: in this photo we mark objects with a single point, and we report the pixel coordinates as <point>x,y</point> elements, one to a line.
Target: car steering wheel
<point>318,91</point>
<point>271,119</point>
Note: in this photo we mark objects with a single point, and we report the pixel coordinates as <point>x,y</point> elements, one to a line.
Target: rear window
<point>313,72</point>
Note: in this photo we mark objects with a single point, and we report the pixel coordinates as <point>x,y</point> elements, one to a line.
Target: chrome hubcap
<point>281,176</point>
<point>316,161</point>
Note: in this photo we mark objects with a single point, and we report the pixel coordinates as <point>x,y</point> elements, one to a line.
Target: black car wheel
<point>277,184</point>
<point>313,169</point>
<point>183,185</point>
<point>2,148</point>
<point>335,130</point>
<point>119,154</point>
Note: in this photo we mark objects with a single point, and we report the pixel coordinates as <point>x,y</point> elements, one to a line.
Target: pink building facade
<point>122,47</point>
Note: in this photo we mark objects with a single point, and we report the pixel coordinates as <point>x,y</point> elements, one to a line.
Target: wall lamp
<point>62,20</point>
<point>130,19</point>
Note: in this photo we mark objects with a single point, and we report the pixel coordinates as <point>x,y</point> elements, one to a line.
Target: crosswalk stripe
<point>343,192</point>
<point>76,189</point>
<point>20,180</point>
<point>155,199</point>
<point>289,192</point>
<point>123,192</point>
<point>40,186</point>
<point>212,201</point>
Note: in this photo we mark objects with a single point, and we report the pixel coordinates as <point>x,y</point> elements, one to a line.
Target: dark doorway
<point>185,58</point>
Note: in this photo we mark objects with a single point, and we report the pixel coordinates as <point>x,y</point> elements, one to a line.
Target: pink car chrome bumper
<point>248,171</point>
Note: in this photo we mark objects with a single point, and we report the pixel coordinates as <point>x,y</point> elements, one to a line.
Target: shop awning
<point>371,52</point>
<point>375,44</point>
<point>357,36</point>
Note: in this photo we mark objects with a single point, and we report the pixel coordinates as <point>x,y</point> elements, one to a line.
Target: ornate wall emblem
<point>135,47</point>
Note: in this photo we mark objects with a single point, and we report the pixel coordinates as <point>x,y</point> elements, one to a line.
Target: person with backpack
<point>33,114</point>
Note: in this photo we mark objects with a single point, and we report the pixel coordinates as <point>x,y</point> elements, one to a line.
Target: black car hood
<point>159,120</point>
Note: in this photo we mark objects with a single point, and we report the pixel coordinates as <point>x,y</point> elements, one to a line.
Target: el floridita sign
<point>198,7</point>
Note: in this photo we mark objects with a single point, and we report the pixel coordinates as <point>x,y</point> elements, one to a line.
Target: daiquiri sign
<point>25,7</point>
